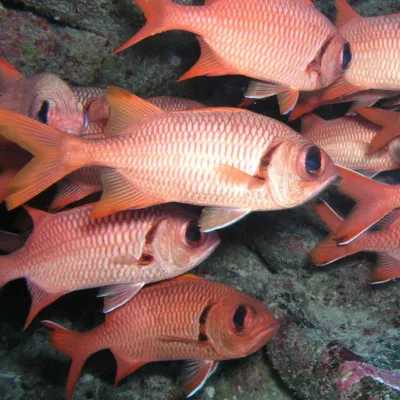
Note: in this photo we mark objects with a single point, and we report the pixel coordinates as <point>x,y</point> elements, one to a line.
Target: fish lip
<point>267,333</point>
<point>323,187</point>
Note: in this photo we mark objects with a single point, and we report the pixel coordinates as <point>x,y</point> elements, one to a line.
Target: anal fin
<point>196,374</point>
<point>117,295</point>
<point>69,192</point>
<point>120,194</point>
<point>387,269</point>
<point>125,365</point>
<point>209,64</point>
<point>40,300</point>
<point>213,218</point>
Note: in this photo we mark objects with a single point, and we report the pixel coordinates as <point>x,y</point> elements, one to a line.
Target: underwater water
<point>338,337</point>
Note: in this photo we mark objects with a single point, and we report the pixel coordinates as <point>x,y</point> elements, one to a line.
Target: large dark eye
<point>193,234</point>
<point>44,110</point>
<point>346,58</point>
<point>239,317</point>
<point>313,160</point>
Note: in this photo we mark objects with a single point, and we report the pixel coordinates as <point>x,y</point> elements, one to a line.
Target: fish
<point>373,199</point>
<point>44,97</point>
<point>231,160</point>
<point>87,180</point>
<point>119,253</point>
<point>388,120</point>
<point>384,241</point>
<point>375,46</point>
<point>254,39</point>
<point>309,101</point>
<point>185,318</point>
<point>347,141</point>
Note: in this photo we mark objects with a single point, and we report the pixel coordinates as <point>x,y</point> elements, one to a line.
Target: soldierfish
<point>70,251</point>
<point>373,200</point>
<point>256,38</point>
<point>309,101</point>
<point>347,141</point>
<point>186,318</point>
<point>43,97</point>
<point>384,241</point>
<point>232,160</point>
<point>87,181</point>
<point>375,46</point>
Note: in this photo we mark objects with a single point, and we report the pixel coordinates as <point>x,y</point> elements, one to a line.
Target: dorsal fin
<point>38,216</point>
<point>8,75</point>
<point>344,13</point>
<point>127,109</point>
<point>309,122</point>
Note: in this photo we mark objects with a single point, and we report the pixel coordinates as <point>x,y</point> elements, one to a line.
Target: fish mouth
<point>265,335</point>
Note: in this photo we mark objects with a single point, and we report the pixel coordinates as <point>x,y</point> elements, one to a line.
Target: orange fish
<point>254,38</point>
<point>384,241</point>
<point>347,141</point>
<point>373,200</point>
<point>121,253</point>
<point>375,46</point>
<point>186,318</point>
<point>87,181</point>
<point>309,101</point>
<point>43,97</point>
<point>229,159</point>
<point>389,120</point>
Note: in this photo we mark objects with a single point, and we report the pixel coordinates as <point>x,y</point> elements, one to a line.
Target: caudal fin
<point>71,344</point>
<point>328,251</point>
<point>56,155</point>
<point>372,204</point>
<point>158,14</point>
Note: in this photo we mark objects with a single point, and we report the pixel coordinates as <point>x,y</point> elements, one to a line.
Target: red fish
<point>254,38</point>
<point>375,46</point>
<point>232,160</point>
<point>122,252</point>
<point>309,101</point>
<point>384,241</point>
<point>87,181</point>
<point>373,200</point>
<point>389,120</point>
<point>347,141</point>
<point>43,97</point>
<point>186,318</point>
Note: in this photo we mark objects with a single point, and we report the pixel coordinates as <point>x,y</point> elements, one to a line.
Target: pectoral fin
<point>196,373</point>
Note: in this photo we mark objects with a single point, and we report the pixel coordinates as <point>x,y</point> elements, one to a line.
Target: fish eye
<point>193,235</point>
<point>346,57</point>
<point>313,160</point>
<point>239,317</point>
<point>43,112</point>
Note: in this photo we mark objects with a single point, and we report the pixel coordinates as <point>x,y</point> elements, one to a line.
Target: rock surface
<point>339,337</point>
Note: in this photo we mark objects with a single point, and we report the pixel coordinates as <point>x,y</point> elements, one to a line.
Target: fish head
<point>333,59</point>
<point>178,245</point>
<point>237,325</point>
<point>53,103</point>
<point>297,170</point>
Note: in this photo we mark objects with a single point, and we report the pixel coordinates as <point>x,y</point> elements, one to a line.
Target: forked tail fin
<point>157,21</point>
<point>57,154</point>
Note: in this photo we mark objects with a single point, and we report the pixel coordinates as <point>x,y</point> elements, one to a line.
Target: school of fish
<point>143,154</point>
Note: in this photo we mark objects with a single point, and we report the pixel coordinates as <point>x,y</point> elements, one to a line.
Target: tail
<point>328,251</point>
<point>372,199</point>
<point>57,154</point>
<point>5,178</point>
<point>157,14</point>
<point>389,120</point>
<point>71,344</point>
